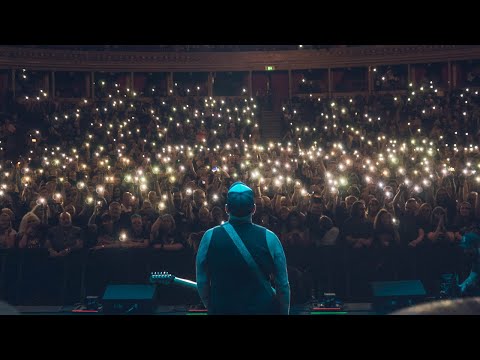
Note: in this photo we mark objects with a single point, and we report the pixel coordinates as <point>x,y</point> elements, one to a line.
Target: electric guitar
<point>168,279</point>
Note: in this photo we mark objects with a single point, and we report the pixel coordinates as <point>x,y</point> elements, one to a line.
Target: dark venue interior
<point>116,159</point>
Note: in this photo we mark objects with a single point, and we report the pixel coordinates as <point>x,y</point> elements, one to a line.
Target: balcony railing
<point>77,60</point>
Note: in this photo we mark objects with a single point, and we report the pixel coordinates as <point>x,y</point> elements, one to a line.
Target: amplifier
<point>129,299</point>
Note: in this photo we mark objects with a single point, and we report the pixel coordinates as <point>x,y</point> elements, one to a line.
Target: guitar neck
<point>185,283</point>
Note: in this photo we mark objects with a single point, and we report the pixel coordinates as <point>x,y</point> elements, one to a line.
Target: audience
<point>364,172</point>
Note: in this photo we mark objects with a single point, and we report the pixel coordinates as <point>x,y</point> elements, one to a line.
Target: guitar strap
<point>248,258</point>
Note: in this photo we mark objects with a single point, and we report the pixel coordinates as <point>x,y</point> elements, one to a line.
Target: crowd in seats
<point>381,177</point>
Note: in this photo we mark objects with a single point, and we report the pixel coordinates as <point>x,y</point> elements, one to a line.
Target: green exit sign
<point>270,68</point>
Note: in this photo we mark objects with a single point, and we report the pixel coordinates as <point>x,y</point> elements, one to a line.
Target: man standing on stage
<point>238,261</point>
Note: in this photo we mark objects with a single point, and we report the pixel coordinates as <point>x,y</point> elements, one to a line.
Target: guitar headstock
<point>161,277</point>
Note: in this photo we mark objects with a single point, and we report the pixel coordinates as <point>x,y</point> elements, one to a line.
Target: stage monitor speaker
<point>129,299</point>
<point>392,295</point>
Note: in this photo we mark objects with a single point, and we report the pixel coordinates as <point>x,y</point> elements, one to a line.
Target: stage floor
<point>348,309</point>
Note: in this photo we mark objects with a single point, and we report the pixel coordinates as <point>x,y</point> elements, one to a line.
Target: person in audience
<point>137,235</point>
<point>464,220</point>
<point>411,234</point>
<point>64,238</point>
<point>295,235</point>
<point>439,232</point>
<point>165,236</point>
<point>470,244</point>
<point>357,231</point>
<point>33,237</point>
<point>385,234</point>
<point>104,235</point>
<point>328,233</point>
<point>7,233</point>
<point>372,210</point>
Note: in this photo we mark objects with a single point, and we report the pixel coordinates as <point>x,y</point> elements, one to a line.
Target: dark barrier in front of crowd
<point>349,272</point>
<point>32,277</point>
